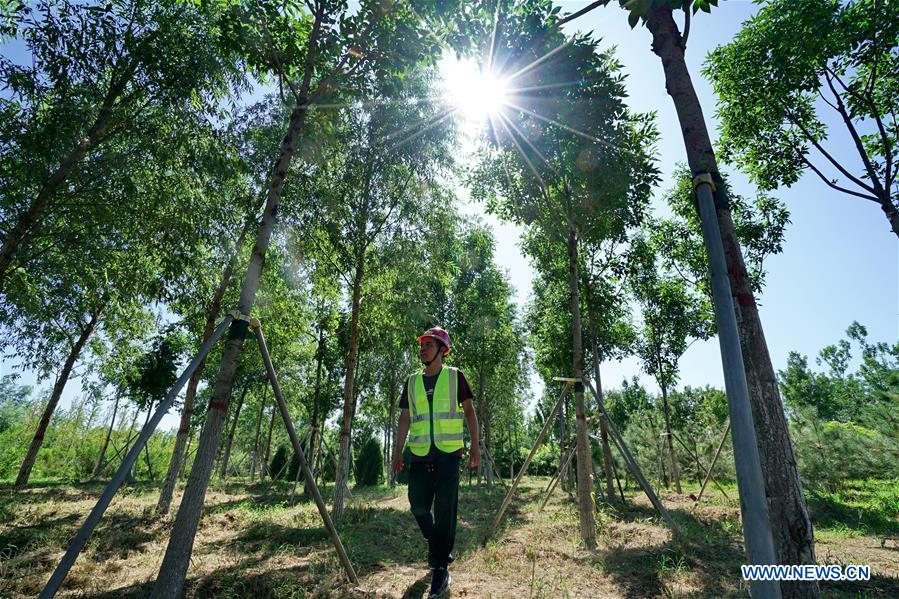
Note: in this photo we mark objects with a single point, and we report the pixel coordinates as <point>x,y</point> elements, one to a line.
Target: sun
<point>472,90</point>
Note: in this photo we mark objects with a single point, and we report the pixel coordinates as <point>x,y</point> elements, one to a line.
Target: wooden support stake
<point>632,463</point>
<point>297,447</point>
<point>712,467</point>
<point>505,505</point>
<point>696,457</point>
<point>562,465</point>
<point>557,478</point>
<point>495,470</point>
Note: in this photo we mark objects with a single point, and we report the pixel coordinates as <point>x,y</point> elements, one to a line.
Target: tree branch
<point>837,187</point>
<point>830,158</point>
<point>884,137</point>
<point>581,12</point>
<point>872,174</point>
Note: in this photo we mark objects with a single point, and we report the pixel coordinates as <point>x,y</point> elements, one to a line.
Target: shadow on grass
<point>50,491</point>
<point>878,586</point>
<point>376,537</point>
<point>708,553</point>
<point>826,512</point>
<point>417,588</point>
<point>120,535</point>
<point>46,532</point>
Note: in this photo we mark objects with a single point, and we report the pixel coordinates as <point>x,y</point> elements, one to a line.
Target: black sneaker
<point>440,582</point>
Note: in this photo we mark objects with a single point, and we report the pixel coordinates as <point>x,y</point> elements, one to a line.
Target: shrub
<point>369,469</point>
<point>278,462</point>
<point>830,453</point>
<point>293,470</point>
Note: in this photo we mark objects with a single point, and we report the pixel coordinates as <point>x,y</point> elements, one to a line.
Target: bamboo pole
<point>555,480</point>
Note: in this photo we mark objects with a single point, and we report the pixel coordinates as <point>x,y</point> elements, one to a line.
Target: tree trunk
<point>115,409</point>
<point>316,401</point>
<point>790,523</point>
<point>584,458</point>
<point>346,426</point>
<point>212,315</point>
<point>488,449</point>
<point>671,455</point>
<point>603,431</point>
<point>563,445</point>
<point>890,212</point>
<point>181,470</point>
<point>224,473</point>
<point>391,424</point>
<point>55,395</point>
<point>268,442</point>
<point>147,445</point>
<point>256,438</point>
<point>170,582</point>
<point>480,408</point>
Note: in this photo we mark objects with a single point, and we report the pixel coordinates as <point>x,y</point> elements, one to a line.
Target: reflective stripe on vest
<point>446,418</point>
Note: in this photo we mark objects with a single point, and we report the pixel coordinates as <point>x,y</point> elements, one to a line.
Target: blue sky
<point>840,261</point>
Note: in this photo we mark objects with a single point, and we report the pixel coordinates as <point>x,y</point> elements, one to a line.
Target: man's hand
<point>475,456</point>
<point>397,462</point>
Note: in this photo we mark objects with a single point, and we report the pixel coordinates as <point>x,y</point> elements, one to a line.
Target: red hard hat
<point>439,334</point>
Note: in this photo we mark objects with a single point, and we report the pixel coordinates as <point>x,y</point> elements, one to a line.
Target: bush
<point>278,462</point>
<point>293,470</point>
<point>831,453</point>
<point>545,462</point>
<point>369,469</point>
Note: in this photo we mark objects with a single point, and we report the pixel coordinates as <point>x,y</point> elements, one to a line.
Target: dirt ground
<point>254,543</point>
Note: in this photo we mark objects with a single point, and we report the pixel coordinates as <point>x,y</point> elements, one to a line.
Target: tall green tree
<point>776,96</point>
<point>567,158</point>
<point>376,182</point>
<point>313,55</point>
<point>791,526</point>
<point>672,315</point>
<point>123,73</point>
<point>486,330</point>
<point>250,141</point>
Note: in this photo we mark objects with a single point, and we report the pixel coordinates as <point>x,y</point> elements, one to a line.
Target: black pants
<point>436,485</point>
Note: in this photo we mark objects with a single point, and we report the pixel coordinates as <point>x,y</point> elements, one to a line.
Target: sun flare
<point>472,90</point>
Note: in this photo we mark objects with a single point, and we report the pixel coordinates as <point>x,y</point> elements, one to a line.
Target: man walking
<point>430,413</point>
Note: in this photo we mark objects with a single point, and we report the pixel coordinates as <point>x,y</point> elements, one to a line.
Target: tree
<point>575,180</point>
<point>98,76</point>
<point>774,96</point>
<point>671,315</point>
<point>791,526</point>
<point>313,55</point>
<point>845,420</point>
<point>378,179</point>
<point>369,467</point>
<point>483,322</point>
<point>251,138</point>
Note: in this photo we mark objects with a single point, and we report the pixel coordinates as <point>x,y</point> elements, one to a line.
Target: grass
<point>254,542</point>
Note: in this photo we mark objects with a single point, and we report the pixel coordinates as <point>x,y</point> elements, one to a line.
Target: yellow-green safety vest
<point>444,422</point>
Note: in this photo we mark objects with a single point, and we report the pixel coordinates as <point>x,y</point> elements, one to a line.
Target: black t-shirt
<point>463,392</point>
